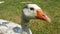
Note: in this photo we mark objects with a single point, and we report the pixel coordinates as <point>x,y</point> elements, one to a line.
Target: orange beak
<point>42,15</point>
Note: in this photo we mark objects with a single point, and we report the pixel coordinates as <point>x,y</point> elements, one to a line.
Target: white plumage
<point>7,27</point>
<point>31,11</point>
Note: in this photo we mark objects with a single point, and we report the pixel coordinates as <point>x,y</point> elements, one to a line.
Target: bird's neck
<point>25,26</point>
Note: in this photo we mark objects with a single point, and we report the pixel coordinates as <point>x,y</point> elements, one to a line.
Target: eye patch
<point>31,8</point>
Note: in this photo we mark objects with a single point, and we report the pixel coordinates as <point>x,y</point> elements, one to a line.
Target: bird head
<point>34,11</point>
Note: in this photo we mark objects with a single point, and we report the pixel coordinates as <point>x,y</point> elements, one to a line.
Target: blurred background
<point>11,10</point>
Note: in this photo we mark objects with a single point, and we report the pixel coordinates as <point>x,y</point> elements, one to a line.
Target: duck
<point>30,11</point>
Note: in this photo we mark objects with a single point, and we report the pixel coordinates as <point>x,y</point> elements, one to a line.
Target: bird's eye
<point>31,8</point>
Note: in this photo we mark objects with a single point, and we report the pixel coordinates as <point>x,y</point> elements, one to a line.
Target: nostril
<point>43,15</point>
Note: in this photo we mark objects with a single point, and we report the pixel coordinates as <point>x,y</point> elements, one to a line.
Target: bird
<point>30,11</point>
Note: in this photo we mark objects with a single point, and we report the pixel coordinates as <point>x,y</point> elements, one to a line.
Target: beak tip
<point>49,20</point>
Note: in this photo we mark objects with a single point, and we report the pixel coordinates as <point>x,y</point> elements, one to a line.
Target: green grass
<point>11,10</point>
